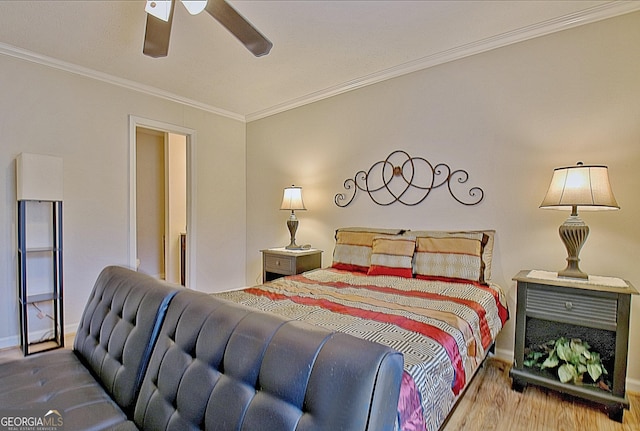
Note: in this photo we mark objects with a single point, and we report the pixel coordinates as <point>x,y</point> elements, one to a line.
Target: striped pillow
<point>450,255</point>
<point>353,247</point>
<point>392,255</point>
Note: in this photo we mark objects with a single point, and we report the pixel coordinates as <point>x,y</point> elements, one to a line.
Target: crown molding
<point>23,54</point>
<point>587,16</point>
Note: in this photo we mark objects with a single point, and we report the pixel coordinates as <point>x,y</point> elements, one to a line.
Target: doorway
<point>162,200</point>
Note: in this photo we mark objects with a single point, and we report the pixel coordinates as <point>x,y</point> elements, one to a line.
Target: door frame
<point>134,123</point>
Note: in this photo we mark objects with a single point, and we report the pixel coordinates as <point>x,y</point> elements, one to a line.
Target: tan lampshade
<point>292,199</point>
<point>586,187</point>
<point>38,177</point>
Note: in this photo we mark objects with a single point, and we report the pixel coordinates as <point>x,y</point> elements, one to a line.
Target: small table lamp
<point>584,186</point>
<point>292,200</point>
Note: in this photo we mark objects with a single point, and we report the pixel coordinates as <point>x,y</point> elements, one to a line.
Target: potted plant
<point>571,357</point>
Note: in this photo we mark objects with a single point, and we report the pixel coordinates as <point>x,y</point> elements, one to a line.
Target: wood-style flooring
<point>490,404</point>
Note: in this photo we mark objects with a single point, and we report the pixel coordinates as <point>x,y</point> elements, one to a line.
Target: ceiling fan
<point>160,16</point>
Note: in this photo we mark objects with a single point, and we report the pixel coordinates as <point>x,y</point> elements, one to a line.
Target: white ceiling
<point>321,48</point>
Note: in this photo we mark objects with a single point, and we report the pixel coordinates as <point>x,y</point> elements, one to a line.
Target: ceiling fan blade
<point>157,34</point>
<point>239,27</point>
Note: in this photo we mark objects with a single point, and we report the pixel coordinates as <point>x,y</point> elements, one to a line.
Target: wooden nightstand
<point>278,262</point>
<point>596,311</point>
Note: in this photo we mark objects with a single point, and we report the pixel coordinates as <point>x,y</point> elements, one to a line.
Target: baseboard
<point>504,355</point>
<point>633,385</point>
<point>7,342</point>
<point>14,340</point>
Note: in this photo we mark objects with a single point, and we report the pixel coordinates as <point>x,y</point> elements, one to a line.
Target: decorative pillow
<point>450,255</point>
<point>487,250</point>
<point>353,247</point>
<point>392,255</point>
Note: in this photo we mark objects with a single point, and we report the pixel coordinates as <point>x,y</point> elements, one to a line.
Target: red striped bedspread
<point>442,327</point>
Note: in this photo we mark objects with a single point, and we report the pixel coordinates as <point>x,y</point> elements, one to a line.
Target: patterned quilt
<point>442,327</point>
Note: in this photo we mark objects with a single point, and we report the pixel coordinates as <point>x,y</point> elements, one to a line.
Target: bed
<point>426,294</point>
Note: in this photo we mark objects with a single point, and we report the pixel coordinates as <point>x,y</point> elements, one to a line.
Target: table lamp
<point>581,186</point>
<point>292,200</point>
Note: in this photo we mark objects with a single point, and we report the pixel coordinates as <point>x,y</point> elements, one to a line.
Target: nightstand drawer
<point>574,308</point>
<point>280,264</point>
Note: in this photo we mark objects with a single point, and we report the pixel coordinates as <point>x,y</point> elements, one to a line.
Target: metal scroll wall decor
<point>408,180</point>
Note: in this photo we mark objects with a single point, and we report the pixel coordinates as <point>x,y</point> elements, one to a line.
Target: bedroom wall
<point>85,121</point>
<point>508,117</point>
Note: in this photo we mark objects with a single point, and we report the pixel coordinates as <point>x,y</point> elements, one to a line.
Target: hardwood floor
<point>490,404</point>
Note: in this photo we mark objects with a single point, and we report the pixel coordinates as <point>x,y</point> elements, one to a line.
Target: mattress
<point>443,327</point>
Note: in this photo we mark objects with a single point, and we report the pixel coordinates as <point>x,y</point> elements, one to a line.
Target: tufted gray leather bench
<point>218,365</point>
<point>95,386</point>
<point>152,356</point>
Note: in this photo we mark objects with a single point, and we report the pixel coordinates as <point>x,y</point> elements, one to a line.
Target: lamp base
<point>570,272</point>
<point>292,225</point>
<point>574,233</point>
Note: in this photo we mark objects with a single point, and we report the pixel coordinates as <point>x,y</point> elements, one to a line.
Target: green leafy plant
<point>571,357</point>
